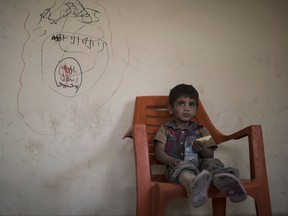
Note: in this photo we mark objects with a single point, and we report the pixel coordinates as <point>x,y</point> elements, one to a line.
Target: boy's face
<point>183,109</point>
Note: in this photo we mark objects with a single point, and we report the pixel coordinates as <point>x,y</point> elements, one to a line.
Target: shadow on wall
<point>107,177</point>
<point>120,179</point>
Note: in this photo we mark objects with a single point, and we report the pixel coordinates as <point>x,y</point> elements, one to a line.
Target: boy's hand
<point>202,150</point>
<point>198,146</point>
<point>174,162</point>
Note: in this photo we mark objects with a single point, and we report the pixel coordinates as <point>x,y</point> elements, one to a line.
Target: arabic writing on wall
<point>83,44</point>
<point>71,51</point>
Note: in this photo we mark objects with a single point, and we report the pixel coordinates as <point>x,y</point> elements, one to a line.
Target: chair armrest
<point>256,149</point>
<point>248,131</point>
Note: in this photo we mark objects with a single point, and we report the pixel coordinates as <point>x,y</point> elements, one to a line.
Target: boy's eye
<point>192,104</point>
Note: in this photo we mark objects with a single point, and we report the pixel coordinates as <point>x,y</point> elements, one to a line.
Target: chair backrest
<point>153,112</point>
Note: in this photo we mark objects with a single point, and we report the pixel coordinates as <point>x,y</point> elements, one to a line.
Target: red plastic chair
<point>153,193</point>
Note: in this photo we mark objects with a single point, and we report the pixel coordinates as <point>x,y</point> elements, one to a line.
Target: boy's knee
<point>211,164</point>
<point>212,161</point>
<point>217,162</point>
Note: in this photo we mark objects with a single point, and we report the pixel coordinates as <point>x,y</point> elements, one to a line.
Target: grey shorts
<point>213,165</point>
<point>172,173</point>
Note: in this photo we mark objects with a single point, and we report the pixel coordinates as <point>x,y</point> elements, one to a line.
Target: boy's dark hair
<point>183,90</point>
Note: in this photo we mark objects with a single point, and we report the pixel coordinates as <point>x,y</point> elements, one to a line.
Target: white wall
<point>61,153</point>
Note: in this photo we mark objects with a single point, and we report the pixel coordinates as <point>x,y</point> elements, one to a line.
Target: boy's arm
<point>162,156</point>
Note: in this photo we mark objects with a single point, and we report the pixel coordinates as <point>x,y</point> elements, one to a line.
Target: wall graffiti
<point>83,43</point>
<point>72,49</point>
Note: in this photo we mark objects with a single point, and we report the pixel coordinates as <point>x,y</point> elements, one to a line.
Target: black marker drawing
<point>72,50</point>
<point>71,9</point>
<point>86,45</point>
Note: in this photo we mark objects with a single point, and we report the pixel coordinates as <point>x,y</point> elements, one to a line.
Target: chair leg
<point>219,206</point>
<point>159,210</point>
<point>158,206</point>
<point>263,206</point>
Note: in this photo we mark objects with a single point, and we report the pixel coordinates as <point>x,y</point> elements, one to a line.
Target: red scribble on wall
<point>68,74</point>
<point>69,70</point>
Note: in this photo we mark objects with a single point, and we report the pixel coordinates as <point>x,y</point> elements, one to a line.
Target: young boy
<point>188,152</point>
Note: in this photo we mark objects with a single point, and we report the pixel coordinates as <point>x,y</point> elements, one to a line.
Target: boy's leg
<point>196,186</point>
<point>230,184</point>
<point>210,164</point>
<point>225,179</point>
<point>185,178</point>
<point>172,173</point>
